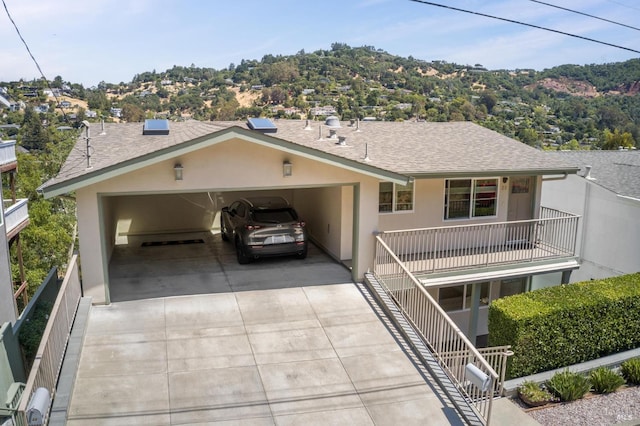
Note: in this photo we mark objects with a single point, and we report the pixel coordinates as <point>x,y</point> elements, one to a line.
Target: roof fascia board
<point>490,173</point>
<point>133,164</point>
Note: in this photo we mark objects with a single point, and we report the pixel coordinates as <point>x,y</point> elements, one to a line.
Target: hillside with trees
<point>568,107</point>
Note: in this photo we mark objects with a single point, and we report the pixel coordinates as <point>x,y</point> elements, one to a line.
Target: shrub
<point>559,326</point>
<point>631,370</point>
<point>533,394</point>
<point>604,380</point>
<point>569,386</point>
<point>32,330</point>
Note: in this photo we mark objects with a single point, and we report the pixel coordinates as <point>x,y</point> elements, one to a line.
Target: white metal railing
<point>8,152</point>
<point>50,354</point>
<point>448,344</point>
<point>429,250</point>
<point>15,213</point>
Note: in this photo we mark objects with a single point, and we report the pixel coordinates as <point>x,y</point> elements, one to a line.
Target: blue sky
<point>112,40</point>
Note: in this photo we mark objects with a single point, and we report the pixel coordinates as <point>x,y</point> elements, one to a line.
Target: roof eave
<point>52,189</point>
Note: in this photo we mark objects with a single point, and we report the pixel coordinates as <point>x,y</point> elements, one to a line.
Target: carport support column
<point>365,223</point>
<point>91,246</point>
<point>472,333</point>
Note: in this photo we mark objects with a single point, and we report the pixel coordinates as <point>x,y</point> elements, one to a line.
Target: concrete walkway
<point>305,355</point>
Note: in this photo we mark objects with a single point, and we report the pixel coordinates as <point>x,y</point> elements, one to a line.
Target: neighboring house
<point>116,112</point>
<point>42,108</point>
<point>606,193</point>
<point>14,217</point>
<point>477,192</point>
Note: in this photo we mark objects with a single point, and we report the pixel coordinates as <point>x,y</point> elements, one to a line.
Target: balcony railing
<point>8,153</point>
<point>453,351</point>
<point>16,216</point>
<point>449,248</point>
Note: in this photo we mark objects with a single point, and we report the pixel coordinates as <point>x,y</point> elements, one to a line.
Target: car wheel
<point>223,230</point>
<point>302,254</point>
<point>243,259</point>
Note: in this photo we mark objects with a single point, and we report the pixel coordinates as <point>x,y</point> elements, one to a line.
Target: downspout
<point>585,209</point>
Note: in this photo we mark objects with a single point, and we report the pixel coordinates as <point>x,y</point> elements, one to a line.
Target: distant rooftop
<point>617,171</point>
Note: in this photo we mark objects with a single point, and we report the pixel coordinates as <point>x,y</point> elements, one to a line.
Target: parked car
<point>266,226</point>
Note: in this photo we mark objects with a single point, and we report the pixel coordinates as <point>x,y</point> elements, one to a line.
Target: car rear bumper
<point>276,249</point>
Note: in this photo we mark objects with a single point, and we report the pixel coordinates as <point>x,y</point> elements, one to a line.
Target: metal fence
<point>439,249</point>
<point>457,356</point>
<point>48,362</point>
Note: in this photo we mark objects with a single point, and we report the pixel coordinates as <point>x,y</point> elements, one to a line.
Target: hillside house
<point>458,203</point>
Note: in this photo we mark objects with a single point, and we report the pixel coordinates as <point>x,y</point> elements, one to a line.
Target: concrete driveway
<point>294,353</point>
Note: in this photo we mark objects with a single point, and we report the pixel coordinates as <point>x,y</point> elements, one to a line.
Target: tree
<point>528,136</point>
<point>614,140</point>
<point>33,134</point>
<point>132,113</point>
<point>488,99</point>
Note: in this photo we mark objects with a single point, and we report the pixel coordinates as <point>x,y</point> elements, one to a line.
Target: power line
<point>34,60</point>
<point>526,24</point>
<point>586,14</point>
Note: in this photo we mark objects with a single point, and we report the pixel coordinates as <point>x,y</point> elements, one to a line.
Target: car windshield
<point>274,216</point>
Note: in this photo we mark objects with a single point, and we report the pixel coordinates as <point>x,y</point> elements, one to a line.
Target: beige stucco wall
<point>322,209</point>
<point>228,169</point>
<point>429,204</point>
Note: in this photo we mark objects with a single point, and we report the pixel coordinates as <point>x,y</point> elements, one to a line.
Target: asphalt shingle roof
<point>408,148</point>
<point>617,171</point>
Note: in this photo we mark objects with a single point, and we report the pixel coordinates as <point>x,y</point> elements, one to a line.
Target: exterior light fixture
<point>287,168</point>
<point>505,179</point>
<point>177,170</point>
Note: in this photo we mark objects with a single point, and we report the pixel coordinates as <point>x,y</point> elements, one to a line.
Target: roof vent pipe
<point>307,125</point>
<point>342,141</point>
<point>358,125</point>
<point>333,134</point>
<point>320,133</point>
<point>366,153</point>
<point>587,172</point>
<point>85,123</point>
<point>102,132</point>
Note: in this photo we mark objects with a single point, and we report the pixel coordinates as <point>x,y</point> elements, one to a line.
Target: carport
<point>175,236</point>
<point>129,190</point>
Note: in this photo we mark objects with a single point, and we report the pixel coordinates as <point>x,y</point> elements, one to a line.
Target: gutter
<point>563,177</point>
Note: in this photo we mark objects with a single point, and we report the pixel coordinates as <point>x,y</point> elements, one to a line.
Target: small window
<point>513,286</point>
<point>395,198</point>
<point>520,185</point>
<point>468,198</point>
<point>458,297</point>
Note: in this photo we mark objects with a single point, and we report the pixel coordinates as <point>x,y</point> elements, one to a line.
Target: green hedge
<point>559,326</point>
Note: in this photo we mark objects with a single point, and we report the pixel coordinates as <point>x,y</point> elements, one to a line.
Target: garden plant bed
<point>594,409</point>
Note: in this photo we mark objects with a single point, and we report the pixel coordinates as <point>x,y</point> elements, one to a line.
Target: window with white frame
<point>458,297</point>
<point>468,198</point>
<point>395,198</point>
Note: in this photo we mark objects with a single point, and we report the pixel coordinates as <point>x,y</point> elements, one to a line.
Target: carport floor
<point>140,272</point>
<point>313,355</point>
